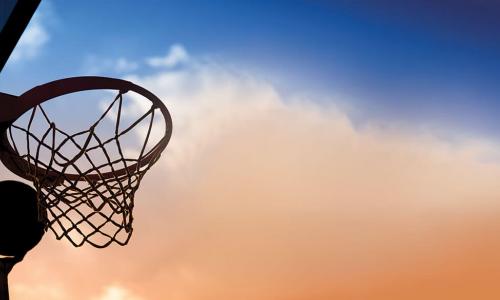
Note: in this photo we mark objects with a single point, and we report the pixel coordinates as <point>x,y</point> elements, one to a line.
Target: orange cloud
<point>260,197</point>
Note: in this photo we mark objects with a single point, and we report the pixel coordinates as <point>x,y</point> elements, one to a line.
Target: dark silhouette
<point>83,196</point>
<point>75,192</point>
<point>20,228</point>
<point>13,21</point>
<point>88,193</point>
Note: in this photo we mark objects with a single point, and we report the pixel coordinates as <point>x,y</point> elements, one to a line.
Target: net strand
<point>94,204</point>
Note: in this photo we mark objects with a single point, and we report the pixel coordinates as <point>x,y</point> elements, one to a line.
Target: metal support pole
<point>4,283</point>
<point>6,265</point>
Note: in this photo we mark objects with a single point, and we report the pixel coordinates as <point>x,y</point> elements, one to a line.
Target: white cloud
<point>123,65</point>
<point>177,55</point>
<point>52,291</point>
<point>31,43</point>
<point>116,292</point>
<point>98,65</point>
<point>34,38</point>
<point>261,196</point>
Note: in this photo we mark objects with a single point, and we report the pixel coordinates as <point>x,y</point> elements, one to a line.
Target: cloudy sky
<point>321,149</point>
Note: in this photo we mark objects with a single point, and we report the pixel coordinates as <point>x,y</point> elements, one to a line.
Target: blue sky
<point>431,63</point>
<point>258,192</point>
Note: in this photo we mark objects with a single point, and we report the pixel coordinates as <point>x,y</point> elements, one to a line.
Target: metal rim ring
<point>48,91</point>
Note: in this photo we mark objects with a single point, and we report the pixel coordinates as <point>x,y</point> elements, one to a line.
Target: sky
<point>321,149</point>
<point>434,62</point>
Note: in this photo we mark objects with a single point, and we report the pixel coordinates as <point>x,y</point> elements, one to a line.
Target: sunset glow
<point>270,190</point>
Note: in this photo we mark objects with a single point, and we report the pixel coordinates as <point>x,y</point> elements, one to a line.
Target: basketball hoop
<point>81,198</point>
<point>85,180</point>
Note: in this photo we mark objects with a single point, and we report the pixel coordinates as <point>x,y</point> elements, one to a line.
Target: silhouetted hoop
<point>48,91</point>
<point>90,203</point>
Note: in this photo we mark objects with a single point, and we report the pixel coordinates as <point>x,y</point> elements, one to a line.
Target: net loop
<point>83,199</point>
